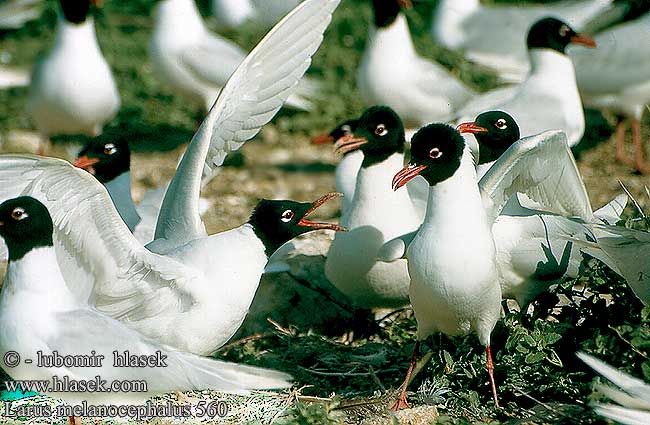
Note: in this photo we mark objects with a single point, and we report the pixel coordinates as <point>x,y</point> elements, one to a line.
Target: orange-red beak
<point>407,174</point>
<point>471,127</point>
<point>322,139</point>
<point>317,226</point>
<point>349,143</point>
<point>97,3</point>
<point>85,163</point>
<point>584,40</point>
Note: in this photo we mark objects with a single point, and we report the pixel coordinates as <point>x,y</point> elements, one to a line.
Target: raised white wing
<point>252,96</point>
<point>100,259</point>
<point>543,168</point>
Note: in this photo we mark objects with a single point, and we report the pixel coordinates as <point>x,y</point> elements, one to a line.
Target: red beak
<point>471,127</point>
<point>322,139</point>
<point>317,226</point>
<point>84,162</point>
<point>584,40</point>
<point>407,174</point>
<point>348,144</point>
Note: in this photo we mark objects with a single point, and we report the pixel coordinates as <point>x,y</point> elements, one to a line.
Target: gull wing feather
<point>543,168</point>
<point>250,99</point>
<point>102,262</point>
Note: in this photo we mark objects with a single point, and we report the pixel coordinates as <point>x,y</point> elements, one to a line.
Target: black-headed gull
<point>392,73</point>
<point>452,258</point>
<point>352,264</point>
<point>548,98</point>
<point>72,90</point>
<point>495,36</point>
<point>185,277</point>
<point>196,63</point>
<point>616,77</point>
<point>39,313</point>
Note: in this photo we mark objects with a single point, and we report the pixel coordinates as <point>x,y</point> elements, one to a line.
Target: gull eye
<point>381,130</point>
<point>564,30</point>
<point>287,216</point>
<point>346,129</point>
<point>435,153</point>
<point>109,149</point>
<point>19,214</point>
<point>501,124</point>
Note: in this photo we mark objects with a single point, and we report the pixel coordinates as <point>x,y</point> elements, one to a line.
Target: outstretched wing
<point>543,168</point>
<point>101,260</point>
<point>252,96</point>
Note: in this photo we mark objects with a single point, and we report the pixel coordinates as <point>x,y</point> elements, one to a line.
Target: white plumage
<point>72,89</point>
<point>495,36</point>
<point>171,290</point>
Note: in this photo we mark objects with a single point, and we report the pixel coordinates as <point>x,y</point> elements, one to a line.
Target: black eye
<point>381,130</point>
<point>501,124</point>
<point>287,216</point>
<point>435,153</point>
<point>109,149</point>
<point>346,129</point>
<point>564,30</point>
<point>19,214</point>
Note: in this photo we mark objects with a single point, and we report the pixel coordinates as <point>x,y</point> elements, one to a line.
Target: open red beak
<point>348,144</point>
<point>314,206</point>
<point>322,139</point>
<point>407,174</point>
<point>583,40</point>
<point>85,163</point>
<point>471,127</point>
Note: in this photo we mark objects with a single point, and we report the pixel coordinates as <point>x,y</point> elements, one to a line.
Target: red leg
<point>619,136</point>
<point>639,163</point>
<point>490,368</point>
<point>401,402</point>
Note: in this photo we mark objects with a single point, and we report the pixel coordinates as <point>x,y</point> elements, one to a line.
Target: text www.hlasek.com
<point>66,385</point>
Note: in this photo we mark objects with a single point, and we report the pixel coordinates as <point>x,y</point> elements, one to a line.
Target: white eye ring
<point>346,129</point>
<point>564,30</point>
<point>381,130</point>
<point>19,214</point>
<point>287,216</point>
<point>109,149</point>
<point>435,153</point>
<point>501,124</point>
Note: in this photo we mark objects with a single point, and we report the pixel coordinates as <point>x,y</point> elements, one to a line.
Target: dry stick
<point>636,204</point>
<point>636,350</point>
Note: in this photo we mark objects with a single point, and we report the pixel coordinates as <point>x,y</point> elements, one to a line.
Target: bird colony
<point>456,204</point>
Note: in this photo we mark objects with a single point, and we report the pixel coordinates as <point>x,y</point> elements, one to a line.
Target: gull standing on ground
<point>616,77</point>
<point>72,90</point>
<point>188,290</point>
<point>351,263</point>
<point>229,14</point>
